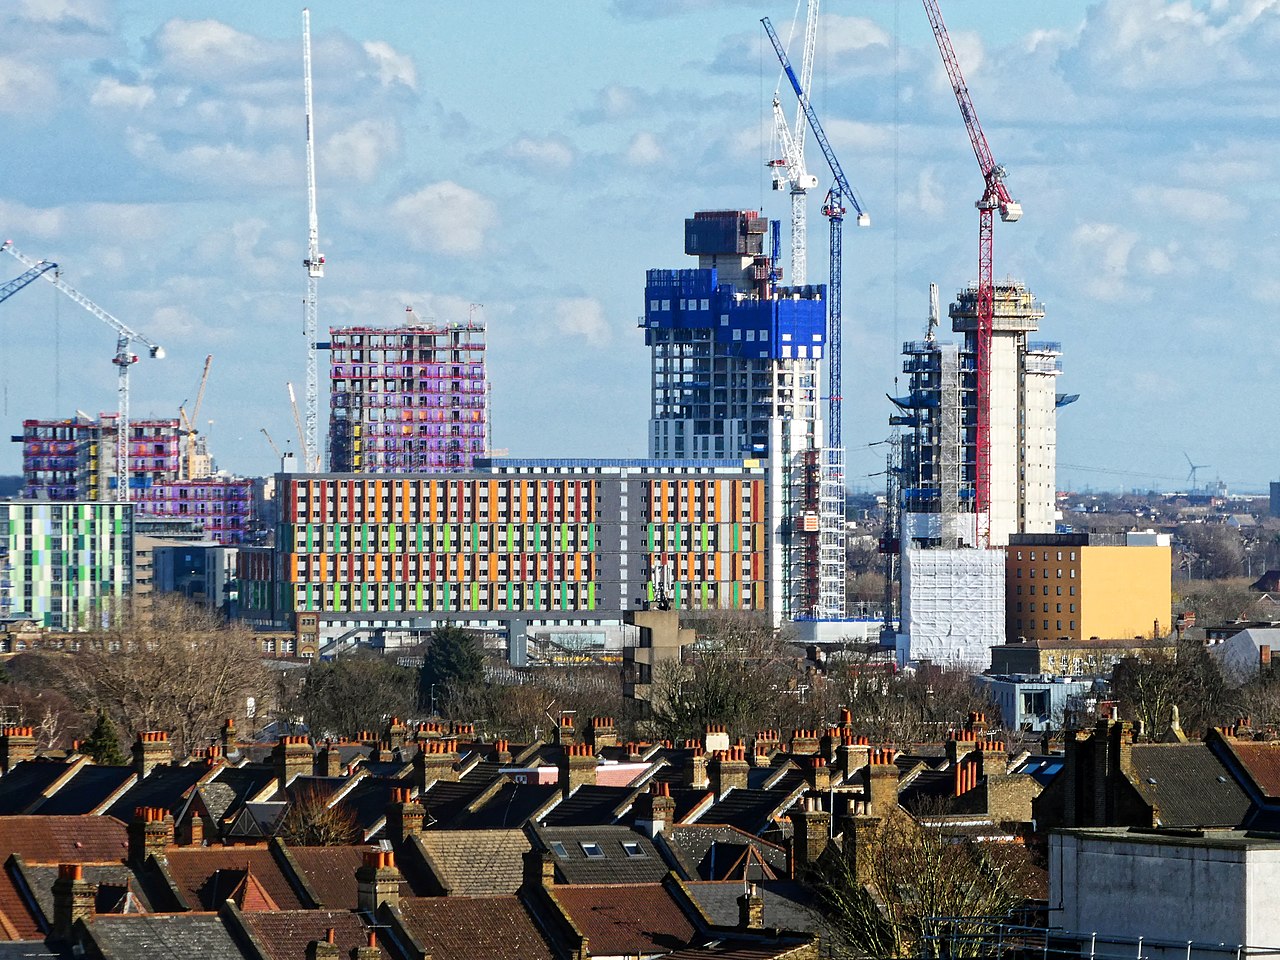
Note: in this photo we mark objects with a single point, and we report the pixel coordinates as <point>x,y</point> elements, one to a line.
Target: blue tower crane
<point>834,210</point>
<point>16,284</point>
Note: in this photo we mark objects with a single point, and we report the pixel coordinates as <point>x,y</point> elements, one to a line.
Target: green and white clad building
<point>64,564</point>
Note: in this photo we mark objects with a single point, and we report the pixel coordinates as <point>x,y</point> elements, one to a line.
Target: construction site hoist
<point>124,358</point>
<point>994,197</point>
<point>834,209</point>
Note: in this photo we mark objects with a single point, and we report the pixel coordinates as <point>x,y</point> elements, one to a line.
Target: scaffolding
<point>74,459</point>
<point>410,399</point>
<point>833,560</point>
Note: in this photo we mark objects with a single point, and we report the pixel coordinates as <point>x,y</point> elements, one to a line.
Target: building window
<point>632,849</point>
<point>591,850</point>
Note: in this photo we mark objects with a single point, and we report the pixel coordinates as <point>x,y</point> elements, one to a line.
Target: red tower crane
<point>994,197</point>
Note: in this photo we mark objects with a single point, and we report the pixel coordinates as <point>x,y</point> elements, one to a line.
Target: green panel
<point>591,537</point>
<point>737,537</point>
<point>510,600</point>
<point>678,591</point>
<point>704,537</point>
<point>564,537</point>
<point>448,537</point>
<point>475,597</point>
<point>737,594</point>
<point>704,595</point>
<point>591,595</point>
<point>537,538</point>
<point>511,538</point>
<point>419,590</point>
<point>564,596</point>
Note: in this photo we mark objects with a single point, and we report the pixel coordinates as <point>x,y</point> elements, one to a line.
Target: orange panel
<point>493,568</point>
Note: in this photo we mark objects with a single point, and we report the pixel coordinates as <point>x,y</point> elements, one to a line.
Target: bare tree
<point>351,694</point>
<point>177,667</point>
<point>311,821</point>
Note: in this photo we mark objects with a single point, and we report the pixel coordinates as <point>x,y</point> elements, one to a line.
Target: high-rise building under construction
<point>735,374</point>
<point>408,399</point>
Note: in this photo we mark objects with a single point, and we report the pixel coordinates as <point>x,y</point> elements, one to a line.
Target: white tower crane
<point>315,268</point>
<point>789,172</point>
<point>124,359</point>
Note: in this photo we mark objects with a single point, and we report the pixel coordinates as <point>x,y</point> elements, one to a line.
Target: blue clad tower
<point>735,374</point>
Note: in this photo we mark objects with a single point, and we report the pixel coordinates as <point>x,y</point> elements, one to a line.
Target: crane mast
<point>315,268</point>
<point>189,428</point>
<point>124,358</point>
<point>995,196</point>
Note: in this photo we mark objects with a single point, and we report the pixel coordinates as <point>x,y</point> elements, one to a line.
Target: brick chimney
<point>404,816</point>
<point>804,741</point>
<point>149,832</point>
<point>852,755</point>
<point>328,761</point>
<point>882,783</point>
<point>860,836</point>
<point>228,737</point>
<point>326,949</point>
<point>369,951</point>
<point>810,834</point>
<point>751,909</point>
<point>564,730</point>
<point>539,869</point>
<point>73,899</point>
<point>150,750</point>
<point>293,757</point>
<point>994,757</point>
<point>846,722</point>
<point>434,761</point>
<point>977,723</point>
<point>603,732</point>
<point>577,768</point>
<point>502,751</point>
<point>16,744</point>
<point>397,733</point>
<point>817,775</point>
<point>1264,658</point>
<point>378,881</point>
<point>655,810</point>
<point>695,771</point>
<point>764,745</point>
<point>728,770</point>
<point>190,833</point>
<point>960,744</point>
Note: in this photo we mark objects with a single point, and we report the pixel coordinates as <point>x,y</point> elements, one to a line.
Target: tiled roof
<point>23,785</point>
<point>206,876</point>
<point>609,860</point>
<point>1191,786</point>
<point>64,839</point>
<point>17,922</point>
<point>747,810</point>
<point>1261,760</point>
<point>474,863</point>
<point>444,800</point>
<point>627,919</point>
<point>330,872</point>
<point>284,935</point>
<point>475,928</point>
<point>717,851</point>
<point>115,881</point>
<point>164,935</point>
<point>787,904</point>
<point>368,800</point>
<point>32,950</point>
<point>165,786</point>
<point>87,790</point>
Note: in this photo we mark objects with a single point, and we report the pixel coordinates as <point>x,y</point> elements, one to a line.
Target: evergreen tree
<point>103,743</point>
<point>452,661</point>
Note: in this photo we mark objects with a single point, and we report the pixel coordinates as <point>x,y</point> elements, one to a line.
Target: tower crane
<point>16,284</point>
<point>789,171</point>
<point>297,419</point>
<point>272,443</point>
<point>189,429</point>
<point>995,196</point>
<point>124,358</point>
<point>315,268</point>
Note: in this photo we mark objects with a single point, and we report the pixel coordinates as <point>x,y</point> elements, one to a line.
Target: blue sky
<point>537,159</point>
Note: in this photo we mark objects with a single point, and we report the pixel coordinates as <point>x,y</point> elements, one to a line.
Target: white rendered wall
<point>1040,445</point>
<point>1005,376</point>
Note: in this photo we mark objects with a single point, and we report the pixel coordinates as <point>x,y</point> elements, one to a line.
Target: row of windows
<point>1044,555</point>
<point>1031,608</point>
<point>1031,590</point>
<point>1045,575</point>
<point>1031,624</point>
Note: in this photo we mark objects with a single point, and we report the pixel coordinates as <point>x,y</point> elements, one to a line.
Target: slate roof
<point>787,904</point>
<point>474,863</point>
<point>31,950</point>
<point>206,876</point>
<point>748,810</point>
<point>330,872</point>
<point>475,928</point>
<point>717,851</point>
<point>39,839</point>
<point>627,919</point>
<point>613,864</point>
<point>1191,786</point>
<point>165,786</point>
<point>23,785</point>
<point>144,936</point>
<point>588,805</point>
<point>284,934</point>
<point>113,880</point>
<point>512,805</point>
<point>88,789</point>
<point>444,800</point>
<point>368,800</point>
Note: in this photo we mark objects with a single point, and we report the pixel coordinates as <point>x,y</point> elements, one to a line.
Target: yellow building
<point>1082,586</point>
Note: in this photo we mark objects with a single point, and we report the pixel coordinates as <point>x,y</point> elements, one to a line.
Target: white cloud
<point>445,217</point>
<point>218,163</point>
<point>392,67</point>
<point>644,150</point>
<point>44,223</point>
<point>582,317</point>
<point>360,150</point>
<point>1188,203</point>
<point>209,49</point>
<point>110,92</point>
<point>24,86</point>
<point>1101,253</point>
<point>550,153</point>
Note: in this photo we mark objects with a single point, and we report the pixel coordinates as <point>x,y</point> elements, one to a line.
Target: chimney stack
<point>655,810</point>
<point>502,751</point>
<point>603,732</point>
<point>715,737</point>
<point>751,909</point>
<point>293,757</point>
<point>764,746</point>
<point>397,733</point>
<point>190,833</point>
<point>434,761</point>
<point>852,755</point>
<point>577,768</point>
<point>328,761</point>
<point>326,949</point>
<point>695,771</point>
<point>378,881</point>
<point>404,816</point>
<point>810,834</point>
<point>804,742</point>
<point>564,730</point>
<point>73,899</point>
<point>882,783</point>
<point>369,951</point>
<point>994,757</point>
<point>150,750</point>
<point>149,832</point>
<point>728,770</point>
<point>817,775</point>
<point>16,744</point>
<point>228,737</point>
